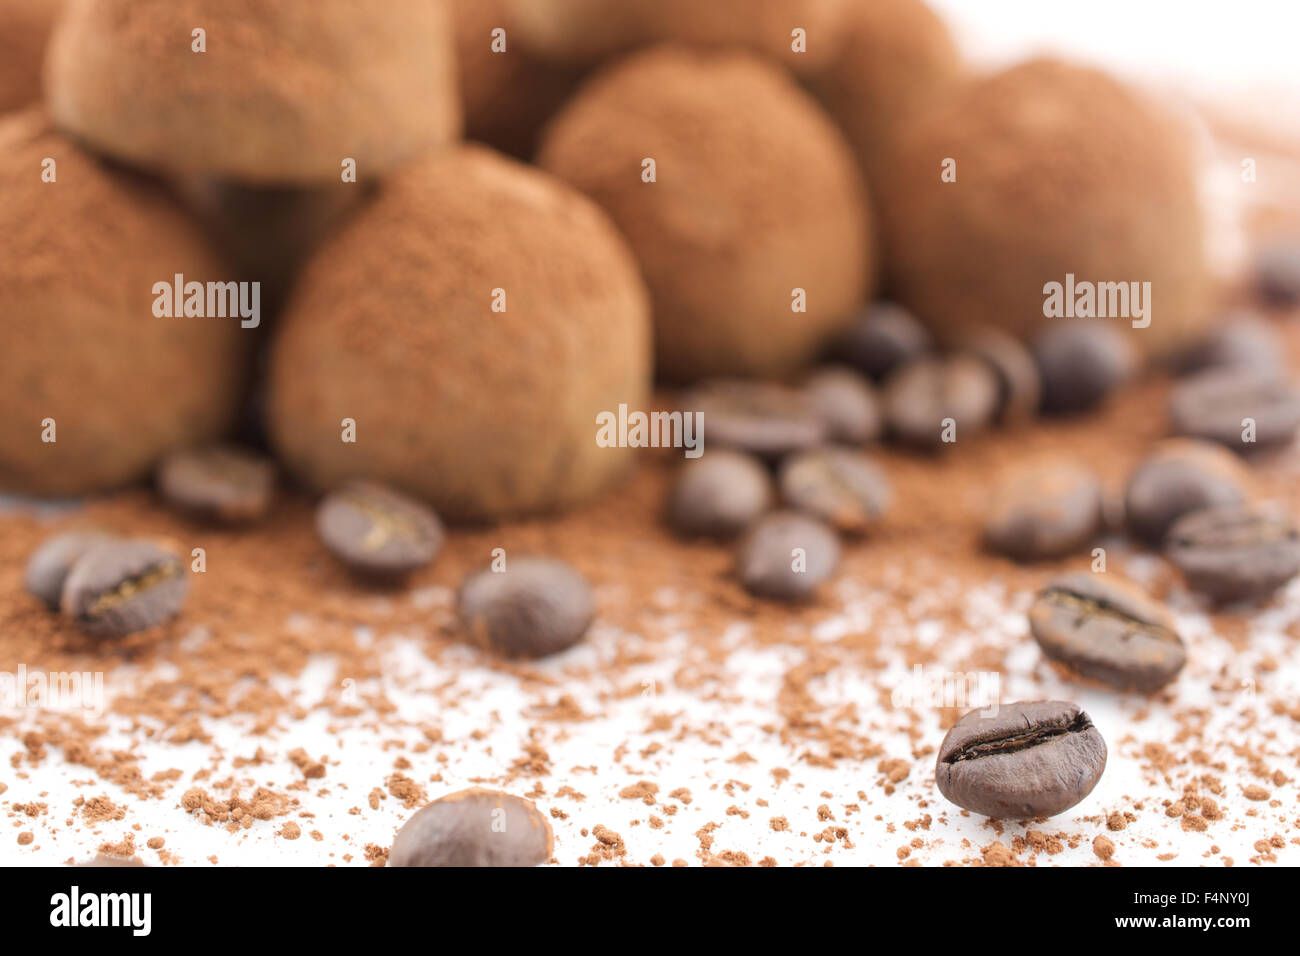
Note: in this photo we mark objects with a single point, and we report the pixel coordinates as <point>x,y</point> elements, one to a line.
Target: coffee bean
<point>119,587</point>
<point>1107,630</point>
<point>377,531</point>
<point>1081,362</point>
<point>537,606</point>
<point>1030,759</point>
<point>1245,342</point>
<point>881,338</point>
<point>1180,476</point>
<point>1020,390</point>
<point>48,567</point>
<point>841,486</point>
<point>763,418</point>
<point>924,396</point>
<point>719,494</point>
<point>1277,272</point>
<point>474,827</point>
<point>846,402</point>
<point>1044,511</point>
<point>1235,553</point>
<point>218,483</point>
<point>786,556</point>
<point>1216,406</point>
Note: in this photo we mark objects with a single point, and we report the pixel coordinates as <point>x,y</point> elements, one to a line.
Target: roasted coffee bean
<point>1030,759</point>
<point>930,399</point>
<point>535,607</point>
<point>218,483</point>
<point>48,567</point>
<point>1217,406</point>
<point>786,556</point>
<point>1245,342</point>
<point>120,587</point>
<point>1277,272</point>
<point>1107,630</point>
<point>1081,362</point>
<point>377,531</point>
<point>1235,553</point>
<point>474,827</point>
<point>839,485</point>
<point>1179,476</point>
<point>719,494</point>
<point>883,337</point>
<point>847,404</point>
<point>1044,511</point>
<point>1020,390</point>
<point>763,418</point>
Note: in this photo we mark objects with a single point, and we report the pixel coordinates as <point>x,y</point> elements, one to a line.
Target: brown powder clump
<point>24,29</point>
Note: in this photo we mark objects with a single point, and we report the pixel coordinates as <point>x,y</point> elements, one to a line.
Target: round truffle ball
<point>24,29</point>
<point>87,361</point>
<point>1060,170</point>
<point>756,209</point>
<point>471,322</point>
<point>281,92</point>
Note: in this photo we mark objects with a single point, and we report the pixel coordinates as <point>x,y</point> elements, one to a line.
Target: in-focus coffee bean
<point>1180,476</point>
<point>719,494</point>
<point>1081,362</point>
<point>841,486</point>
<point>48,567</point>
<point>1107,630</point>
<point>218,483</point>
<point>377,531</point>
<point>1044,510</point>
<point>1235,553</point>
<point>786,556</point>
<point>1020,390</point>
<point>536,606</point>
<point>881,338</point>
<point>847,404</point>
<point>1277,271</point>
<point>933,399</point>
<point>474,827</point>
<point>1217,406</point>
<point>762,418</point>
<point>122,586</point>
<point>1030,759</point>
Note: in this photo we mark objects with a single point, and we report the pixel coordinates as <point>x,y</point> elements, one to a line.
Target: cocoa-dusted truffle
<point>88,363</point>
<point>756,209</point>
<point>24,29</point>
<point>1063,175</point>
<point>471,323</point>
<point>282,92</point>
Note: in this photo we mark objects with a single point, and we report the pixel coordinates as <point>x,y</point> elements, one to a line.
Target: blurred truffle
<point>24,29</point>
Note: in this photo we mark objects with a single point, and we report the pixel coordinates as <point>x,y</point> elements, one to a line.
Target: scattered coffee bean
<point>48,567</point>
<point>763,418</point>
<point>1107,630</point>
<point>839,485</point>
<point>1030,759</point>
<point>883,337</point>
<point>119,587</point>
<point>1216,406</point>
<point>1020,391</point>
<point>1277,272</point>
<point>474,827</point>
<point>719,494</point>
<point>1246,342</point>
<point>377,531</point>
<point>930,399</point>
<point>786,556</point>
<point>218,483</point>
<point>1044,511</point>
<point>1180,476</point>
<point>1235,553</point>
<point>1081,362</point>
<point>537,606</point>
<point>847,404</point>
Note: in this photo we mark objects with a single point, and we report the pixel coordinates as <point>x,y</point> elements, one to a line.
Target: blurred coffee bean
<point>1180,476</point>
<point>218,483</point>
<point>377,531</point>
<point>119,587</point>
<point>474,827</point>
<point>881,338</point>
<point>1244,342</point>
<point>719,494</point>
<point>924,396</point>
<point>48,567</point>
<point>839,485</point>
<point>1019,388</point>
<point>1080,363</point>
<point>1277,271</point>
<point>1044,511</point>
<point>535,607</point>
<point>763,418</point>
<point>847,404</point>
<point>786,556</point>
<point>1244,410</point>
<point>1235,553</point>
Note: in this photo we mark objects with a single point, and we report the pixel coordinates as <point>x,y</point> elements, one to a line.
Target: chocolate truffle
<point>87,361</point>
<point>471,322</point>
<point>1060,171</point>
<point>756,208</point>
<point>24,29</point>
<point>282,92</point>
